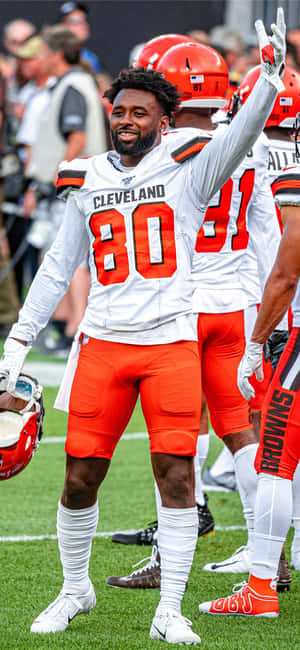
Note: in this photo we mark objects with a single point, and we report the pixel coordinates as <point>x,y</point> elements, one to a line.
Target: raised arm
<point>215,164</point>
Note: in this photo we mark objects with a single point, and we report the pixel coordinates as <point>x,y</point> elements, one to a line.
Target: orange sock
<point>262,585</point>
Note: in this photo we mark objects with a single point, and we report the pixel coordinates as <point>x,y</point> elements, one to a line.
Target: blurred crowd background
<point>64,55</point>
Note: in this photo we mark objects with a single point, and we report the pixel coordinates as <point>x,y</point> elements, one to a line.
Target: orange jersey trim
<point>69,181</point>
<point>189,152</point>
<point>189,149</point>
<point>287,184</point>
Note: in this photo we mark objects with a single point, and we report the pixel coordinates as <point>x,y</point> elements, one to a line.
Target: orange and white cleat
<point>245,601</point>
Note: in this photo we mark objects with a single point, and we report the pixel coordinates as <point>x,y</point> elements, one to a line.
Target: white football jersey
<point>281,154</point>
<point>139,226</point>
<point>287,192</point>
<point>234,237</point>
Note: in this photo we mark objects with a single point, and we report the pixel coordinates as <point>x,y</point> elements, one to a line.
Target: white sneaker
<point>169,625</point>
<point>60,613</point>
<point>238,562</point>
<point>295,557</point>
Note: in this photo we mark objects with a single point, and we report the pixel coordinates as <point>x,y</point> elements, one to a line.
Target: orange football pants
<point>108,379</point>
<point>221,341</point>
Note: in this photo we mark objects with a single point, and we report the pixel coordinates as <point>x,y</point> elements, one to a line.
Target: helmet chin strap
<point>32,402</point>
<point>25,385</point>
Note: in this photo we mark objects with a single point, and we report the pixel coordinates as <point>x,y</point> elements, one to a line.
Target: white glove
<point>272,50</point>
<point>252,361</point>
<point>12,361</point>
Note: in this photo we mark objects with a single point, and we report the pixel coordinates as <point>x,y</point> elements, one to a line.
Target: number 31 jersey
<point>233,249</point>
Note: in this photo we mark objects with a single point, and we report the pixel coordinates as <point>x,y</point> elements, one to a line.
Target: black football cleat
<point>206,521</point>
<point>142,537</point>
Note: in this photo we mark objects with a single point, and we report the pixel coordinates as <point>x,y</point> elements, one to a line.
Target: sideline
<point>48,373</point>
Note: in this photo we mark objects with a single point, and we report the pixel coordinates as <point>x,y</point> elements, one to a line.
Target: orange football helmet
<point>154,49</point>
<point>287,103</point>
<point>199,72</point>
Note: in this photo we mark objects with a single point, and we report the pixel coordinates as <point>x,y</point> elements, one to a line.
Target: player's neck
<point>129,160</point>
<point>277,133</point>
<point>195,119</point>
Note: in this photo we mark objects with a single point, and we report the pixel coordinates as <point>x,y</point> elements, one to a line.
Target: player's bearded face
<point>136,122</point>
<point>140,146</point>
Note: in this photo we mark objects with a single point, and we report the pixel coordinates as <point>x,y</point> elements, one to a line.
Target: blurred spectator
<point>228,43</point>
<point>15,33</point>
<point>32,70</point>
<point>233,49</point>
<point>199,35</point>
<point>9,304</point>
<point>293,36</point>
<point>292,56</point>
<point>18,91</point>
<point>74,15</point>
<point>72,125</point>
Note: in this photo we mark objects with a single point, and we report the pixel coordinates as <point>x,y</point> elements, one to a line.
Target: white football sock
<point>75,531</point>
<point>273,513</point>
<point>247,485</point>
<point>157,499</point>
<point>177,539</point>
<point>224,463</point>
<point>199,460</point>
<point>296,507</point>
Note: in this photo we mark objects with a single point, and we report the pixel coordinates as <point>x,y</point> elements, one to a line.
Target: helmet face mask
<point>287,102</point>
<point>199,72</point>
<point>20,427</point>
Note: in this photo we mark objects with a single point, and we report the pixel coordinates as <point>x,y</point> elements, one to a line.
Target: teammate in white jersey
<point>243,209</point>
<point>138,211</point>
<point>279,129</point>
<point>279,449</point>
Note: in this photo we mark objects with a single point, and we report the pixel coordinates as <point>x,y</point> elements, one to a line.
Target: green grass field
<point>31,574</point>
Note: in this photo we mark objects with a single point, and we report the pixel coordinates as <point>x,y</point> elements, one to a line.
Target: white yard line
<point>142,435</point>
<point>48,373</point>
<point>38,538</point>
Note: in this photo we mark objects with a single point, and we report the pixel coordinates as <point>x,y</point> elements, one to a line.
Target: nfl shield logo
<point>127,180</point>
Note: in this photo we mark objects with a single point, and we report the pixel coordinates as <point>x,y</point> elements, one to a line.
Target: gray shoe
<point>226,481</point>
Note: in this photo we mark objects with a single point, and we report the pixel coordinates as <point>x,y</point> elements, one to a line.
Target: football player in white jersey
<point>137,212</point>
<point>279,129</point>
<point>279,449</point>
<point>242,210</point>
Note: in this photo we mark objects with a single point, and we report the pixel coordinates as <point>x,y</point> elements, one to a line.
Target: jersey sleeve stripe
<point>71,173</point>
<point>70,178</point>
<point>287,185</point>
<point>189,149</point>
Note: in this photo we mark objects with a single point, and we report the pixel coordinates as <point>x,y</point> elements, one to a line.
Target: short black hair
<point>150,81</point>
<point>58,37</point>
